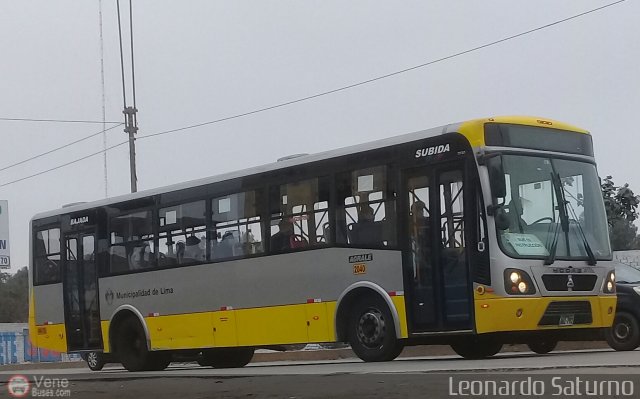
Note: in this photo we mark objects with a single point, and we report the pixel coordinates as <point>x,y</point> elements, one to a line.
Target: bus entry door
<point>437,266</point>
<point>80,285</point>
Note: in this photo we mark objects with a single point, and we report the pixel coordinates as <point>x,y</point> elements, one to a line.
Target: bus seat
<point>297,241</point>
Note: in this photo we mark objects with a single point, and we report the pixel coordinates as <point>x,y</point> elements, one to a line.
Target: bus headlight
<point>609,286</point>
<point>637,290</point>
<point>522,287</point>
<point>518,282</point>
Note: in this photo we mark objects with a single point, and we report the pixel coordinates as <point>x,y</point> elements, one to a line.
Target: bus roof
<point>473,130</point>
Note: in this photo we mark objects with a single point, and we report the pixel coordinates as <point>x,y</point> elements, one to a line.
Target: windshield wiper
<point>563,215</point>
<point>552,248</point>
<point>587,247</point>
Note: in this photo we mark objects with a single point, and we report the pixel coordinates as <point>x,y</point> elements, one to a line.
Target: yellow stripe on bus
<point>287,324</point>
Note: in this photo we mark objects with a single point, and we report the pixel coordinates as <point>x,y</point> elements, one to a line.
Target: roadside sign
<point>5,259</point>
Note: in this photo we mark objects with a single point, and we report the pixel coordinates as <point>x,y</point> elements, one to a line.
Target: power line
<point>53,120</point>
<point>327,92</point>
<point>58,148</point>
<point>63,165</point>
<point>351,86</point>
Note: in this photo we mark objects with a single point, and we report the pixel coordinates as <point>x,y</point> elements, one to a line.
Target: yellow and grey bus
<point>473,234</point>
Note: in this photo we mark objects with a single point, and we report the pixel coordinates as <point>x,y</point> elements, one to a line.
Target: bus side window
<point>47,256</point>
<point>366,216</point>
<point>182,234</point>
<point>132,245</point>
<point>237,230</point>
<point>299,215</point>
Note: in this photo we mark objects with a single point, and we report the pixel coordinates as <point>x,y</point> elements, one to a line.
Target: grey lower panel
<point>266,281</point>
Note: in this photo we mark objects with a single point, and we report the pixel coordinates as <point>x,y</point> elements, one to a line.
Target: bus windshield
<point>554,208</point>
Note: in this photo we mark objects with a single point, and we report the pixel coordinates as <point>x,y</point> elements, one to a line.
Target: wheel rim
<point>371,328</point>
<point>622,331</point>
<point>92,359</point>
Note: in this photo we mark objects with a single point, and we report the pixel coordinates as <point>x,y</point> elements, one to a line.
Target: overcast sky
<point>198,61</point>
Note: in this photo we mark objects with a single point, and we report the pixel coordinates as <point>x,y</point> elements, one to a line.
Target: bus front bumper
<point>544,313</point>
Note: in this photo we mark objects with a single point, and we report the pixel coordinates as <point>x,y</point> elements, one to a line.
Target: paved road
<point>405,377</point>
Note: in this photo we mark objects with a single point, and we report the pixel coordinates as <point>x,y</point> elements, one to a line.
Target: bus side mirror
<point>496,175</point>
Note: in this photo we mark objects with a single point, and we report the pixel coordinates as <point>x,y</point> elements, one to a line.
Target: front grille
<point>581,311</point>
<point>558,282</point>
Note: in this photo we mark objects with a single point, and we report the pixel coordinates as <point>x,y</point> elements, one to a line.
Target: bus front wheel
<point>372,332</point>
<point>542,347</point>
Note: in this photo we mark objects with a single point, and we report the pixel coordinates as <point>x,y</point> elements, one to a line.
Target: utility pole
<point>130,112</point>
<point>131,127</point>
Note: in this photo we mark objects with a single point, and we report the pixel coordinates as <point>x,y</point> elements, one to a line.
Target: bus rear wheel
<point>223,358</point>
<point>543,346</point>
<point>473,349</point>
<point>131,346</point>
<point>371,330</point>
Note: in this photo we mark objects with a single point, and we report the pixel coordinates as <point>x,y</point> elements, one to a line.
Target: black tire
<point>371,330</point>
<point>203,363</point>
<point>95,360</point>
<point>226,358</point>
<point>131,346</point>
<point>203,360</point>
<point>158,361</point>
<point>477,348</point>
<point>542,347</point>
<point>624,335</point>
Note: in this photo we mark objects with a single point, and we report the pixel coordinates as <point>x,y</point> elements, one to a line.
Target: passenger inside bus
<point>282,240</point>
<point>140,257</point>
<point>192,250</point>
<point>180,248</point>
<point>366,231</point>
<point>226,247</point>
<point>420,231</point>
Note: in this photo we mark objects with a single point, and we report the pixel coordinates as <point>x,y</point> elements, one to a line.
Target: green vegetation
<point>14,297</point>
<point>622,211</point>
